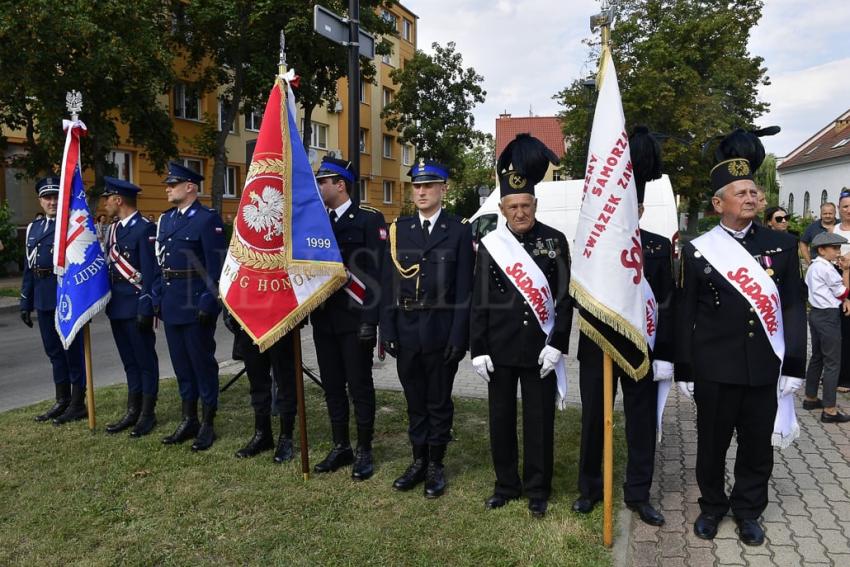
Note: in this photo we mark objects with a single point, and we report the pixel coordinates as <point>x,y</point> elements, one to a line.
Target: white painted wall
<point>831,176</point>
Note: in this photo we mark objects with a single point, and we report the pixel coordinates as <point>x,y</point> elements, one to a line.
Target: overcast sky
<point>527,50</point>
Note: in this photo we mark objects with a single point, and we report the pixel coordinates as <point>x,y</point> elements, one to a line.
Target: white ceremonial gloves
<point>548,358</point>
<point>687,389</point>
<point>789,385</point>
<point>662,370</point>
<point>483,365</point>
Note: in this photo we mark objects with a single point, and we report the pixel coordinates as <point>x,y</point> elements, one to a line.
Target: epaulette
<point>368,208</point>
<point>464,221</point>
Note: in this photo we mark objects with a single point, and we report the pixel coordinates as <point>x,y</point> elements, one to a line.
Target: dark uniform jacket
<point>190,249</point>
<point>429,310</point>
<point>720,338</point>
<point>658,271</point>
<point>361,234</point>
<point>135,243</point>
<point>38,289</point>
<point>502,323</point>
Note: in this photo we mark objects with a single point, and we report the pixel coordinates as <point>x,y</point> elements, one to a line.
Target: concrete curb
<point>8,304</point>
<point>621,551</point>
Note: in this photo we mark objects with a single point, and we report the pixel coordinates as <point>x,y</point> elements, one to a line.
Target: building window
<point>824,197</point>
<point>187,103</point>
<point>363,92</point>
<point>390,18</point>
<point>222,108</point>
<point>253,120</point>
<point>364,141</point>
<point>388,146</point>
<point>318,135</point>
<point>388,191</point>
<point>407,154</point>
<point>230,182</point>
<point>406,29</point>
<point>195,165</point>
<point>791,203</point>
<point>386,98</point>
<point>364,190</point>
<point>121,165</point>
<point>806,204</point>
<point>559,175</point>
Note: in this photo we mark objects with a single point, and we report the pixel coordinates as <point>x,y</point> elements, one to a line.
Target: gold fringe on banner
<point>616,322</point>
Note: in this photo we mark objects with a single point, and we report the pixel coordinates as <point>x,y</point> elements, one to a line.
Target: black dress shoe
<point>647,513</point>
<point>435,480</point>
<point>812,404</point>
<point>76,410</point>
<point>206,434</point>
<point>584,505</point>
<point>186,429</point>
<point>285,450</point>
<point>750,532</point>
<point>63,398</point>
<point>706,526</point>
<point>837,417</point>
<point>537,507</point>
<point>261,441</point>
<point>363,468</point>
<point>496,501</point>
<point>340,456</point>
<point>411,477</point>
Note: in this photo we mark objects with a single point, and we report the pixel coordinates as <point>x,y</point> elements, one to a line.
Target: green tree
<point>433,107</point>
<point>477,169</point>
<point>116,53</point>
<point>684,69</point>
<point>233,49</point>
<point>765,177</point>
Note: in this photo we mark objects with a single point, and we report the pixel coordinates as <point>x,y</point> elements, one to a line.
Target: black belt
<point>180,274</point>
<point>411,304</point>
<point>42,272</point>
<point>116,276</point>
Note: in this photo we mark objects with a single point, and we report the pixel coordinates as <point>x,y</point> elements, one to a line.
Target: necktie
<point>332,215</point>
<point>426,224</point>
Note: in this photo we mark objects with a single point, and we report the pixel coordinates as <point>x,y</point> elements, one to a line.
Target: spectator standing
<point>776,218</point>
<point>842,228</point>
<point>824,224</point>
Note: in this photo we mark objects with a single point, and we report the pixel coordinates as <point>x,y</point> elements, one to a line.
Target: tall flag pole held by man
<point>83,277</point>
<point>283,260</point>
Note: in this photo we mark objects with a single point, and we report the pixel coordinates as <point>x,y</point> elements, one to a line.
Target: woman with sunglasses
<point>776,218</point>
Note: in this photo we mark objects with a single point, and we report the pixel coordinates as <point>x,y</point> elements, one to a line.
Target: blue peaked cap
<point>177,173</point>
<point>47,186</point>
<point>115,186</point>
<point>428,172</point>
<point>332,167</point>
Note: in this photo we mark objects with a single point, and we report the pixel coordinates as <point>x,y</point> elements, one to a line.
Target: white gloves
<point>662,370</point>
<point>548,358</point>
<point>789,385</point>
<point>483,365</point>
<point>687,389</point>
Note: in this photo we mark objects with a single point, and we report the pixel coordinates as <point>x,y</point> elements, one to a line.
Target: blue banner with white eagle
<point>82,274</point>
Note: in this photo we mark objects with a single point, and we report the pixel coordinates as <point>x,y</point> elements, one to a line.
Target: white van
<point>558,204</point>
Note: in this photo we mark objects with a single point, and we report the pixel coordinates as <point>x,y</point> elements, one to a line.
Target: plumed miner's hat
<point>738,156</point>
<point>523,164</point>
<point>646,158</point>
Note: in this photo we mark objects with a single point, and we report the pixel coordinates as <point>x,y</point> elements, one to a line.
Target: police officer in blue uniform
<point>427,284</point>
<point>190,250</point>
<point>38,292</point>
<point>639,396</point>
<point>134,275</point>
<point>345,326</point>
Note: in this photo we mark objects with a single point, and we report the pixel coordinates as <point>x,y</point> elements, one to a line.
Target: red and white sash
<point>355,288</point>
<point>740,269</point>
<point>529,280</point>
<point>651,314</point>
<point>119,262</point>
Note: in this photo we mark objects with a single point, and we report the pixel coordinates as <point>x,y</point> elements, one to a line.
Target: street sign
<point>336,29</point>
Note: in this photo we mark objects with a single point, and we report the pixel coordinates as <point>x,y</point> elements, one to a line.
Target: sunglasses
<point>780,219</point>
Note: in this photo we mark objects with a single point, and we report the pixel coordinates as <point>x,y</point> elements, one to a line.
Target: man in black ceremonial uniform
<point>508,343</point>
<point>427,282</point>
<point>639,396</point>
<point>345,326</point>
<point>729,349</point>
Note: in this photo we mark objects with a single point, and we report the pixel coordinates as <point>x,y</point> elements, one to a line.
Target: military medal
<point>769,271</point>
<point>552,254</point>
<point>707,269</point>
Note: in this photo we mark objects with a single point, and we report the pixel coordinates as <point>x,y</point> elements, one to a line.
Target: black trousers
<point>844,375</point>
<point>427,384</point>
<point>280,359</point>
<point>749,411</point>
<point>538,430</point>
<point>344,362</point>
<point>639,406</point>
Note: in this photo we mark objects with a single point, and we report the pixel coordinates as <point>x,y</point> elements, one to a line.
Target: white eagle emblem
<point>265,213</point>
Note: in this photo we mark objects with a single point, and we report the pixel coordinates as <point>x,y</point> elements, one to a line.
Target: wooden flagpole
<point>302,409</point>
<point>608,451</point>
<point>89,376</point>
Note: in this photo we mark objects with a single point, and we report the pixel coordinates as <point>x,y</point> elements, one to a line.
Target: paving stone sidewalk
<point>807,521</point>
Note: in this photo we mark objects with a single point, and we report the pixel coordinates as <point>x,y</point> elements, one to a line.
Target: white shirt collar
<point>340,210</point>
<point>125,220</point>
<point>737,233</point>
<point>432,218</point>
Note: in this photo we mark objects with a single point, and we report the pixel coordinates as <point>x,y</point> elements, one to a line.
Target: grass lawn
<point>72,498</point>
<point>10,292</point>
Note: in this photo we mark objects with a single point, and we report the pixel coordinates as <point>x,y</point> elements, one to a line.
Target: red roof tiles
<point>545,128</point>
